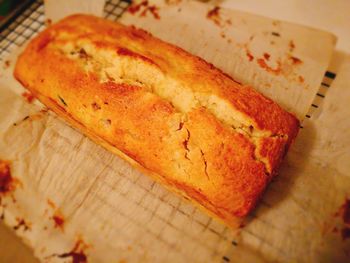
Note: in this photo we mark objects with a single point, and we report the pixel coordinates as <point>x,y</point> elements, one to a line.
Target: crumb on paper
<point>153,10</point>
<point>276,34</point>
<point>77,254</point>
<point>261,62</point>
<point>249,55</point>
<point>214,15</point>
<point>295,60</point>
<point>22,223</point>
<point>144,8</point>
<point>33,117</point>
<point>28,96</point>
<point>267,56</point>
<point>222,34</point>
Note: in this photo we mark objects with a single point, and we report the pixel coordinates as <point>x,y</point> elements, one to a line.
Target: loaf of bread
<point>167,112</point>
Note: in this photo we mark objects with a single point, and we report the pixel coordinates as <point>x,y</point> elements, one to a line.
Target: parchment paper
<point>56,10</point>
<point>284,61</point>
<point>74,198</point>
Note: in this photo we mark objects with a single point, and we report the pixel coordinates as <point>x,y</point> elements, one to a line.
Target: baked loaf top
<point>176,116</point>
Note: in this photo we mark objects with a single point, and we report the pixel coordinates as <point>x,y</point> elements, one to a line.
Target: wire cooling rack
<point>27,23</point>
<point>24,25</point>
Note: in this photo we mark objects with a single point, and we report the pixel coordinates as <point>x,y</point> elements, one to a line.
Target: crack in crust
<point>205,164</point>
<point>185,144</point>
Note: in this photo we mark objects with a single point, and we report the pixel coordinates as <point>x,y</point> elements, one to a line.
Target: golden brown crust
<point>169,113</point>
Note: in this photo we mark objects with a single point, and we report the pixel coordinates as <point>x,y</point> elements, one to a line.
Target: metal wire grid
<point>22,28</point>
<point>32,21</point>
<point>325,85</point>
<point>115,8</point>
<point>167,211</point>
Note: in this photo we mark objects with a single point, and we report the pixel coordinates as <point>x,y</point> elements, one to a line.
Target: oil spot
<point>48,22</point>
<point>7,183</point>
<point>261,62</point>
<point>214,15</point>
<point>144,8</point>
<point>29,97</point>
<point>51,204</point>
<point>58,219</point>
<point>134,8</point>
<point>7,63</point>
<point>249,55</point>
